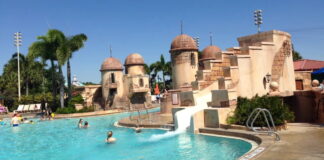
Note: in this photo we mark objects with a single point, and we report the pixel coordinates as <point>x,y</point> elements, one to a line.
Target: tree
<point>69,46</point>
<point>46,48</point>
<point>162,66</point>
<point>296,55</point>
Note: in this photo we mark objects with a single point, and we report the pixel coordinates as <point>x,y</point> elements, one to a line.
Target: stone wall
<point>305,78</point>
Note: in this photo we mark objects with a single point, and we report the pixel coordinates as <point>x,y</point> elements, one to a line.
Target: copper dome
<point>183,42</point>
<point>210,52</point>
<point>134,59</point>
<point>111,64</point>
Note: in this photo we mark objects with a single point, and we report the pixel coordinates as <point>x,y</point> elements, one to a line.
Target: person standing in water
<point>15,121</point>
<point>110,139</point>
<point>80,123</point>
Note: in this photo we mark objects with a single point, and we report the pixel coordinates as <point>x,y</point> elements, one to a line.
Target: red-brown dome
<point>183,42</point>
<point>111,64</point>
<point>134,59</point>
<point>210,52</point>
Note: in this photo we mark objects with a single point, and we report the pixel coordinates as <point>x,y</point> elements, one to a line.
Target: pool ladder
<point>266,114</point>
<point>139,115</point>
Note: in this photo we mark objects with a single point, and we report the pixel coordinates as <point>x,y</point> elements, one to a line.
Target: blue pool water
<point>62,140</point>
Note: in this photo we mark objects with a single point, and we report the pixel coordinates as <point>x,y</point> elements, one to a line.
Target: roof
<point>183,42</point>
<point>307,64</point>
<point>134,59</point>
<point>111,64</point>
<point>210,52</point>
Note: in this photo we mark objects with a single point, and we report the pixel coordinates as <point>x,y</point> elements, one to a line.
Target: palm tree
<point>46,48</point>
<point>70,45</point>
<point>163,67</point>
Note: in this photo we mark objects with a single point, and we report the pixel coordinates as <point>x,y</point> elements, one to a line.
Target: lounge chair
<point>26,108</point>
<point>20,108</point>
<point>32,107</point>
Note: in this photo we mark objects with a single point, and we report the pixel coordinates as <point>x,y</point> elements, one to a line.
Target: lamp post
<point>196,39</point>
<point>258,18</point>
<point>17,41</point>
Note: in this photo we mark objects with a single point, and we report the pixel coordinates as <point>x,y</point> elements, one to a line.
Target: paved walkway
<point>300,141</point>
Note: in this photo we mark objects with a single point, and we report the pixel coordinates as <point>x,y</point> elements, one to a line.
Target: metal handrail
<point>266,113</point>
<point>139,114</point>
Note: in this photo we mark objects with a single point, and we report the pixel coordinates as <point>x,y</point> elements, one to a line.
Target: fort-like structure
<point>262,64</point>
<point>212,79</point>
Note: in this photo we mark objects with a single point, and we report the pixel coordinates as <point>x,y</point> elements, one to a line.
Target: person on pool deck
<point>110,139</point>
<point>86,124</point>
<point>15,120</point>
<point>80,123</point>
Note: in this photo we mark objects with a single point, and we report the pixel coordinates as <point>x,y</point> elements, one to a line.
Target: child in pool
<point>86,124</point>
<point>110,139</point>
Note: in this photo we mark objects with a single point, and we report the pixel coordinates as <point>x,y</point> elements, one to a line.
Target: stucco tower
<point>136,81</point>
<point>184,58</point>
<point>112,81</point>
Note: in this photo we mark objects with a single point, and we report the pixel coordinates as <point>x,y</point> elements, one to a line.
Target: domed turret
<point>184,58</point>
<point>134,59</point>
<point>111,64</point>
<point>183,42</point>
<point>134,64</point>
<point>210,52</point>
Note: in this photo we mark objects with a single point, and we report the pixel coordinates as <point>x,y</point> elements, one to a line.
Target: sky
<point>149,26</point>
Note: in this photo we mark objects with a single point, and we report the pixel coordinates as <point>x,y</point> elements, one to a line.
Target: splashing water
<point>183,119</point>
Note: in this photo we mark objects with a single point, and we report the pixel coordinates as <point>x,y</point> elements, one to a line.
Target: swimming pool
<point>62,140</point>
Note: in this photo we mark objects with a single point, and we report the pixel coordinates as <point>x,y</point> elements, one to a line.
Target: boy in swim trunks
<point>15,121</point>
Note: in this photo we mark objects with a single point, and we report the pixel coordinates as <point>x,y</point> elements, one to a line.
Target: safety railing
<point>266,114</point>
<point>140,115</point>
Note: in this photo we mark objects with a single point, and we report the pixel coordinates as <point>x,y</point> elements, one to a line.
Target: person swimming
<point>137,129</point>
<point>80,123</point>
<point>110,139</point>
<point>86,124</point>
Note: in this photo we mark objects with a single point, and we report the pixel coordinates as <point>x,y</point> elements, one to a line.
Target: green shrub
<point>77,99</point>
<point>279,111</point>
<point>66,110</point>
<point>86,109</point>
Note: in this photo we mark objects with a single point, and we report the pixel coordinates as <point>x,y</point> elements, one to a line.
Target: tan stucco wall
<point>245,80</point>
<point>262,49</point>
<point>135,70</point>
<point>88,93</point>
<point>183,73</point>
<point>306,77</point>
<point>105,80</point>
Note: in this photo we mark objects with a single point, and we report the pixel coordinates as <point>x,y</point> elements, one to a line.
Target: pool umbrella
<point>156,89</point>
<point>319,75</point>
<point>320,71</point>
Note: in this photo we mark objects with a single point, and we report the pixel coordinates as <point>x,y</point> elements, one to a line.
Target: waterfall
<point>183,118</point>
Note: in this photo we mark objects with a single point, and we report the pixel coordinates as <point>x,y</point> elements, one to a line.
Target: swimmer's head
<point>109,134</point>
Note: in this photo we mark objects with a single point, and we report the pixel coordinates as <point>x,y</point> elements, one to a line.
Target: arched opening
<point>112,77</point>
<point>141,82</point>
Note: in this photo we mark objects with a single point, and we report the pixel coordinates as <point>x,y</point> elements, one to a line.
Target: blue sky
<point>148,26</point>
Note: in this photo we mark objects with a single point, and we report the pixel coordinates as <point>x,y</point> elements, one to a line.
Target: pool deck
<point>73,115</point>
<point>299,142</point>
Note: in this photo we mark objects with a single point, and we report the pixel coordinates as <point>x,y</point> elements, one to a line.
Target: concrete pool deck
<point>300,140</point>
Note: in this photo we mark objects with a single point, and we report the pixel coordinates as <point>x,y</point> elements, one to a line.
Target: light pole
<point>17,37</point>
<point>258,18</point>
<point>196,39</point>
